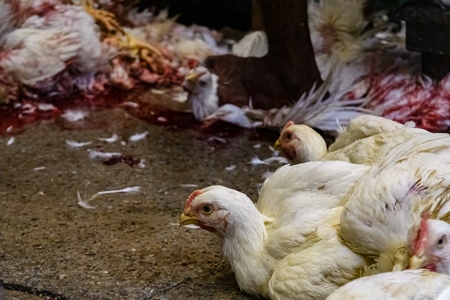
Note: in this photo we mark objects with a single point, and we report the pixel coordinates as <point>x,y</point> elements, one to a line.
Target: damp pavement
<point>129,245</point>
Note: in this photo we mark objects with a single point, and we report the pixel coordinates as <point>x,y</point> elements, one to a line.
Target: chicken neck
<point>244,248</point>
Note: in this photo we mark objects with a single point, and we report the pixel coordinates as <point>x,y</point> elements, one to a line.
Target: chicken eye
<point>441,242</point>
<point>202,83</point>
<point>288,136</point>
<point>206,209</point>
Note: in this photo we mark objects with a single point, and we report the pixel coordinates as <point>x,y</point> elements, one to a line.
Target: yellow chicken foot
<point>105,18</point>
<point>146,52</point>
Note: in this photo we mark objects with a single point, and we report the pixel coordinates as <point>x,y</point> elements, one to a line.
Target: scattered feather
<point>267,174</point>
<point>10,141</point>
<point>256,161</point>
<point>271,148</point>
<point>217,139</point>
<point>74,144</point>
<point>138,136</point>
<point>39,168</point>
<point>189,185</point>
<point>141,164</point>
<point>180,97</point>
<point>130,103</point>
<point>257,146</point>
<point>133,189</point>
<point>46,106</point>
<point>278,159</point>
<point>111,139</point>
<point>82,203</point>
<point>74,115</point>
<point>158,92</point>
<point>230,168</point>
<point>191,226</point>
<point>9,128</point>
<point>162,119</point>
<point>98,154</point>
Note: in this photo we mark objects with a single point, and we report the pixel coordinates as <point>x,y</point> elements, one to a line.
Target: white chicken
<point>405,285</point>
<point>41,42</point>
<point>389,200</point>
<point>202,84</point>
<point>365,139</point>
<point>285,247</point>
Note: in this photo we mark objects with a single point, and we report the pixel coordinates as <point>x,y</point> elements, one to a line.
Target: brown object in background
<point>284,74</point>
<point>256,16</point>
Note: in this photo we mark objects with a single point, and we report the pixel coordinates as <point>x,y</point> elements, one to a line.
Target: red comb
<point>422,235</point>
<point>192,197</point>
<point>289,123</point>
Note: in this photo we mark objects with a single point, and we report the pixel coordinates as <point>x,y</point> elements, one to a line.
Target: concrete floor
<point>129,246</point>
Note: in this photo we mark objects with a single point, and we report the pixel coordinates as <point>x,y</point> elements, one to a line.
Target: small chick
<point>431,249</point>
<point>300,143</point>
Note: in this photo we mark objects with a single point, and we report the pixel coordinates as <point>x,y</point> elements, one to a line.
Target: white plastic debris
<point>111,139</point>
<point>98,154</point>
<point>230,168</point>
<point>10,141</point>
<point>74,115</point>
<point>138,136</point>
<point>74,144</point>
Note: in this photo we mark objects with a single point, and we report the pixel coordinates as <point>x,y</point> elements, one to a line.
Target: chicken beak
<point>186,219</point>
<point>417,262</point>
<point>277,146</point>
<point>192,78</point>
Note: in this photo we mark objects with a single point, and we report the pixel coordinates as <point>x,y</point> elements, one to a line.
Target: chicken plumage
<point>285,247</point>
<point>300,143</point>
<point>405,285</point>
<point>389,200</point>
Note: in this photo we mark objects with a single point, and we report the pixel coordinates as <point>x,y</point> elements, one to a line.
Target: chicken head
<point>300,143</point>
<point>202,88</point>
<point>210,208</point>
<point>430,248</point>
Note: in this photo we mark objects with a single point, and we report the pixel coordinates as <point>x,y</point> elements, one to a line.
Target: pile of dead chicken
<point>49,48</point>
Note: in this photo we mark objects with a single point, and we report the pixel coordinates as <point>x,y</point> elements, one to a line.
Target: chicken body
<point>389,200</point>
<point>364,140</point>
<point>405,285</point>
<point>285,247</point>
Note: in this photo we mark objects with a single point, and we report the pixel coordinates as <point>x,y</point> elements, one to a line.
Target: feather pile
<point>52,49</point>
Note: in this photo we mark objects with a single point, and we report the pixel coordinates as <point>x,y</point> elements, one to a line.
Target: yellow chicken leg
<point>105,18</point>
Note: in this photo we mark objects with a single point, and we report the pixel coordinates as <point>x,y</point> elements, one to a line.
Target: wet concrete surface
<point>129,246</point>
